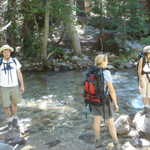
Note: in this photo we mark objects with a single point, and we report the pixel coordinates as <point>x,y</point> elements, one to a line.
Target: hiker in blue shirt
<point>105,111</point>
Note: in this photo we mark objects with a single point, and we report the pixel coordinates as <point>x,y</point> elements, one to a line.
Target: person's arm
<point>112,93</point>
<point>140,72</point>
<point>140,67</point>
<point>21,82</point>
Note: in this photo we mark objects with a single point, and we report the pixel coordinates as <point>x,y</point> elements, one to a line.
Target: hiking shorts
<point>105,111</point>
<point>9,95</point>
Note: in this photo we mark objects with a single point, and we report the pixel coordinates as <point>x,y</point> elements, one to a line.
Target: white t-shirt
<point>8,72</point>
<point>146,67</point>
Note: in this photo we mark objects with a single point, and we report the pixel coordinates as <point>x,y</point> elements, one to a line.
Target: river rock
<point>128,146</point>
<point>140,142</point>
<point>142,123</point>
<point>145,143</point>
<point>122,124</point>
<point>133,133</point>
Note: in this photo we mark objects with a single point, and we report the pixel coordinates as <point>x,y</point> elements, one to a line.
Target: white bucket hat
<point>146,49</point>
<point>4,47</point>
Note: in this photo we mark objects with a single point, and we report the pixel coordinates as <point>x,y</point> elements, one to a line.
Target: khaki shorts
<point>9,95</point>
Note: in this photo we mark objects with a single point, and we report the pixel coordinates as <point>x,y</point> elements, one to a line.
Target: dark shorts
<point>105,110</point>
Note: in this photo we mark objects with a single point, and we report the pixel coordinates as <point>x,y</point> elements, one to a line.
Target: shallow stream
<point>65,88</point>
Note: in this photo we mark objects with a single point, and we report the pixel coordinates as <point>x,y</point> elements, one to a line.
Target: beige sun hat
<point>4,47</point>
<point>146,49</point>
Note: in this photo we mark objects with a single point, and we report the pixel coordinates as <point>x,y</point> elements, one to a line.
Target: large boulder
<point>122,124</point>
<point>142,123</point>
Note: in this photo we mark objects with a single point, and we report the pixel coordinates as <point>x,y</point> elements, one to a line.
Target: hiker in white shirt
<point>11,83</point>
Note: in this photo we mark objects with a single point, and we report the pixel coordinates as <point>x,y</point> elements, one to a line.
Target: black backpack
<point>94,91</point>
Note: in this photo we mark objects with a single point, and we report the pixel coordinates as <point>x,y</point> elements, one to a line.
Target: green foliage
<point>60,54</point>
<point>146,40</point>
<point>127,17</point>
<point>125,57</point>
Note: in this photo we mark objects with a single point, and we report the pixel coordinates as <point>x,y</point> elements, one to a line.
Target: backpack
<point>141,55</point>
<point>94,92</point>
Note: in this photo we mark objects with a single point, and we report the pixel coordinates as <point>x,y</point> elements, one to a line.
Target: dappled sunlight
<point>45,103</point>
<point>59,111</point>
<point>137,103</point>
<point>28,147</point>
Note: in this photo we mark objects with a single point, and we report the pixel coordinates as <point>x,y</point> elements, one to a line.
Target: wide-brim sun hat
<point>146,49</point>
<point>4,47</point>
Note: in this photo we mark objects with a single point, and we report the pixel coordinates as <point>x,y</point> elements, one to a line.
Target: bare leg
<point>96,126</point>
<point>14,109</point>
<point>146,101</point>
<point>7,111</point>
<point>112,129</point>
<point>149,102</point>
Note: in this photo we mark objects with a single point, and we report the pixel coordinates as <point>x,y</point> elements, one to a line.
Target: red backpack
<point>94,86</point>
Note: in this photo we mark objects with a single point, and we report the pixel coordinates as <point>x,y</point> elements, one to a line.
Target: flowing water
<point>65,88</point>
<point>63,120</point>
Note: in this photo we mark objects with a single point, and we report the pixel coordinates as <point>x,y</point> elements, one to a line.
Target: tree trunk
<point>71,31</point>
<point>27,30</point>
<point>2,36</point>
<point>80,8</point>
<point>46,33</point>
<point>81,14</point>
<point>88,6</point>
<point>11,16</point>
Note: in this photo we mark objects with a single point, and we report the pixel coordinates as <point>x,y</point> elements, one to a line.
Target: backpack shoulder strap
<point>14,60</point>
<point>1,60</point>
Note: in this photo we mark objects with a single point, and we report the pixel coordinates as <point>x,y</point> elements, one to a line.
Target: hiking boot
<point>9,122</point>
<point>15,122</point>
<point>117,146</point>
<point>146,109</point>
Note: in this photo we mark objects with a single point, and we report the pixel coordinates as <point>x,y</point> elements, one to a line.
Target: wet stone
<point>87,138</point>
<point>53,143</point>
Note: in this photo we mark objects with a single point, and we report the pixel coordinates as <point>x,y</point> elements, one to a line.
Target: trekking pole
<point>102,46</point>
<point>86,110</point>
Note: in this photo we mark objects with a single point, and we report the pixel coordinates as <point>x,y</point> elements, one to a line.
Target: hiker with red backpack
<point>11,84</point>
<point>100,94</point>
<point>144,76</point>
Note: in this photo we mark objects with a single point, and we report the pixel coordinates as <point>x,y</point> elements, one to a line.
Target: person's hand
<point>116,108</point>
<point>141,84</point>
<point>22,89</point>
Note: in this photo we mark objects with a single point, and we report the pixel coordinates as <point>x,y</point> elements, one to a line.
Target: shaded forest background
<point>45,28</point>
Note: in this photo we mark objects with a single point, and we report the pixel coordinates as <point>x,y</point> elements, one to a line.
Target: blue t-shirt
<point>107,76</point>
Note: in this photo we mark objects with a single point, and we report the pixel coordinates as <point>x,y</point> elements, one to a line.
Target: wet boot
<point>15,122</point>
<point>146,109</point>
